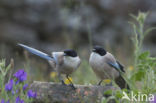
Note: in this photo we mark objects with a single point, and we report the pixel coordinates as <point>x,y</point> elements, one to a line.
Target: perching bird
<point>106,66</point>
<point>65,62</point>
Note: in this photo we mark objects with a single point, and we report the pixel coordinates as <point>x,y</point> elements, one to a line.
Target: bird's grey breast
<point>101,67</point>
<point>70,64</point>
<point>65,64</point>
<point>95,61</point>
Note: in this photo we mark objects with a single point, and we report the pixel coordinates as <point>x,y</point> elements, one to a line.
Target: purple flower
<point>9,86</point>
<point>17,91</point>
<point>23,77</point>
<point>2,101</point>
<point>154,100</point>
<point>13,92</point>
<point>18,100</point>
<point>22,101</point>
<point>25,86</point>
<point>20,75</point>
<point>8,101</point>
<point>31,94</point>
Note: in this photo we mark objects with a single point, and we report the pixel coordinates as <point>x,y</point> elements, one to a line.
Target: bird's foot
<point>73,87</point>
<point>63,83</point>
<point>99,82</point>
<point>110,84</point>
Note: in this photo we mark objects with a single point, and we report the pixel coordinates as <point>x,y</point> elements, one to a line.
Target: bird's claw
<point>73,87</point>
<point>63,83</point>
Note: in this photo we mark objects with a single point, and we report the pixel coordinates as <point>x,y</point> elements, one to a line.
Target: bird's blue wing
<point>55,57</point>
<point>117,66</point>
<point>36,52</point>
<point>120,66</point>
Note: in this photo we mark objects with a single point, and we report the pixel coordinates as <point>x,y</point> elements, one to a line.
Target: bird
<point>105,66</point>
<point>64,62</point>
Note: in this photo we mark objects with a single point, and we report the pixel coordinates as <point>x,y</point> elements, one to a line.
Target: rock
<point>57,93</point>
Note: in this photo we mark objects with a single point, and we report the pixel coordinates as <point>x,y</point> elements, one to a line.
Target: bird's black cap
<point>70,52</point>
<point>98,49</point>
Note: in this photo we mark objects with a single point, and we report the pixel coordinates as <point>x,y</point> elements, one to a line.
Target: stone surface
<point>56,93</point>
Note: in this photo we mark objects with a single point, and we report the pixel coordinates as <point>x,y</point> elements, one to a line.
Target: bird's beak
<point>94,50</point>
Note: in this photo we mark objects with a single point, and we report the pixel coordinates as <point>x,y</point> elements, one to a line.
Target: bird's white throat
<point>71,61</point>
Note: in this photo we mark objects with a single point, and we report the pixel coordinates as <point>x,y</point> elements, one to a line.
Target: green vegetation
<point>142,79</point>
<point>15,88</point>
<point>141,76</point>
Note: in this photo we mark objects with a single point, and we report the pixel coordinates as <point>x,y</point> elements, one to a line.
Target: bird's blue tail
<point>36,52</point>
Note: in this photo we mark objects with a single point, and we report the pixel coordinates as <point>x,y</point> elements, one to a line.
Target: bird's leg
<point>60,78</point>
<point>62,81</point>
<point>110,84</point>
<point>100,82</point>
<point>72,85</point>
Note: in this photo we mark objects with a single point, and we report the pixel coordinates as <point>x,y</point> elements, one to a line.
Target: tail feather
<point>120,81</point>
<point>36,52</point>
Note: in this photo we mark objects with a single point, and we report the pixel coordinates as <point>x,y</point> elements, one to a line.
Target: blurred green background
<point>54,25</point>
